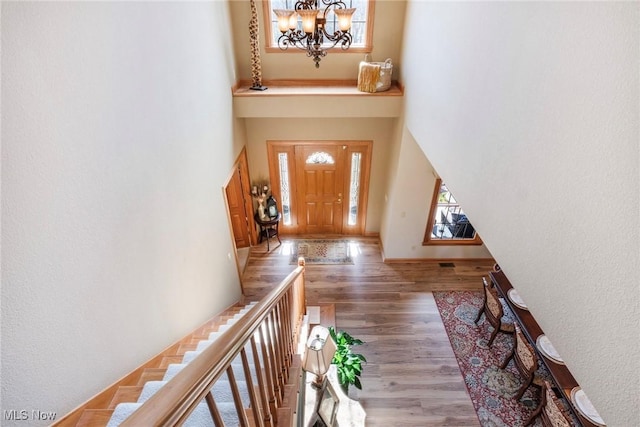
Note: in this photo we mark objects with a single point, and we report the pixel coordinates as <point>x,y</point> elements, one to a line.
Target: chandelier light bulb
<point>344,18</point>
<point>283,19</point>
<point>308,20</point>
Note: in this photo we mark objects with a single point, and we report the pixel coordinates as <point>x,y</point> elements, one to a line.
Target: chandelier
<point>312,33</point>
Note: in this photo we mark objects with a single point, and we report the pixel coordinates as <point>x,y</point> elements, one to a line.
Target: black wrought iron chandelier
<point>312,33</point>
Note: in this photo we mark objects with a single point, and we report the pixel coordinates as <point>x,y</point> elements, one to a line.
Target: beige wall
<point>408,200</point>
<point>529,111</point>
<point>387,42</point>
<point>380,131</point>
<point>117,137</point>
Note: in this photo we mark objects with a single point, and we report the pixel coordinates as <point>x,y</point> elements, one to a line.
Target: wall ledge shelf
<point>310,98</point>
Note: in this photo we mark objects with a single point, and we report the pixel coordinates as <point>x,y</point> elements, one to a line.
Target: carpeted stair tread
<point>168,360</point>
<point>200,417</point>
<point>221,391</point>
<point>238,370</point>
<point>172,370</point>
<point>190,355</point>
<point>186,347</point>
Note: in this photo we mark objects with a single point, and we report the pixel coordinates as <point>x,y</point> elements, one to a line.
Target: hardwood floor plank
<point>412,377</point>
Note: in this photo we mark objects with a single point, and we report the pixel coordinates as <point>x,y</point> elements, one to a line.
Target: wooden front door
<point>320,186</point>
<point>320,173</point>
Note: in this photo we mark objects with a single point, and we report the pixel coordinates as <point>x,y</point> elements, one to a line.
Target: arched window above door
<point>320,158</point>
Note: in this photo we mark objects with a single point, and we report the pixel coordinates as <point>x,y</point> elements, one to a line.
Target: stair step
<point>221,391</point>
<point>190,355</point>
<point>151,374</point>
<point>168,360</point>
<point>125,394</point>
<point>226,326</point>
<point>200,417</point>
<point>172,370</point>
<point>94,418</point>
<point>186,347</point>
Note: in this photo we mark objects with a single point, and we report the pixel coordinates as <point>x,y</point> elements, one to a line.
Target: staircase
<point>221,389</point>
<point>242,369</point>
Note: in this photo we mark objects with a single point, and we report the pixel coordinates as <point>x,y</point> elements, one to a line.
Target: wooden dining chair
<point>483,307</point>
<point>493,312</point>
<point>550,410</point>
<point>525,360</point>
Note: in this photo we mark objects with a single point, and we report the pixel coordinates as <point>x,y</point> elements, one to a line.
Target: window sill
<point>453,242</point>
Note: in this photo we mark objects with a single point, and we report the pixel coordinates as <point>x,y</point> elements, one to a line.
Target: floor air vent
<point>446,264</point>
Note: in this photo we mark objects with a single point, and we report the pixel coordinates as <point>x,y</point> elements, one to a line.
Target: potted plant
<point>348,363</point>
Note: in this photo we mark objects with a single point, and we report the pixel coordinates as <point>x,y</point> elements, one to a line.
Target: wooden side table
<point>268,228</point>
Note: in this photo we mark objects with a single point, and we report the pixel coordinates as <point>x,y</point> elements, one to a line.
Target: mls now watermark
<point>25,415</point>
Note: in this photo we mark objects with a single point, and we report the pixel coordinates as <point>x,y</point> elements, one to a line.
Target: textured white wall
<point>529,111</point>
<point>117,137</point>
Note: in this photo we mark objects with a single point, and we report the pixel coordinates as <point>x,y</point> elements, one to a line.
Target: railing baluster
<point>237,400</point>
<point>284,367</point>
<point>213,408</point>
<point>289,324</point>
<point>255,407</point>
<point>261,384</point>
<point>277,359</point>
<point>269,371</point>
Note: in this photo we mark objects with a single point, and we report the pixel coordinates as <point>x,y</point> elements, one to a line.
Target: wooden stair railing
<point>271,330</point>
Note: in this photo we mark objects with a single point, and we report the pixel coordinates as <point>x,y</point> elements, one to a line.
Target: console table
<point>268,228</point>
<point>560,373</point>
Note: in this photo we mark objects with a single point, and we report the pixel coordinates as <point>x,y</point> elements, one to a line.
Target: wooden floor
<point>412,378</point>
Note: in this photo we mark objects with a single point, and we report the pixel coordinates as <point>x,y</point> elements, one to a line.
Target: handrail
<point>174,402</point>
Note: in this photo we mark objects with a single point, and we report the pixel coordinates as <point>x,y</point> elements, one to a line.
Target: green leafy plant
<point>348,363</point>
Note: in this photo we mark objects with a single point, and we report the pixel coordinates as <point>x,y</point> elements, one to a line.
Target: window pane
<point>320,158</point>
<point>284,188</point>
<point>450,222</point>
<point>359,20</point>
<point>354,188</point>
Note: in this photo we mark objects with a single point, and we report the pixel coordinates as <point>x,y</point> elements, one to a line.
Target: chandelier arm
<point>344,38</point>
<point>329,3</point>
<point>305,5</point>
<point>292,39</point>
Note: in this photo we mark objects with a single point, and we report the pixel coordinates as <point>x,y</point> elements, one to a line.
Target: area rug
<point>491,389</point>
<point>322,251</point>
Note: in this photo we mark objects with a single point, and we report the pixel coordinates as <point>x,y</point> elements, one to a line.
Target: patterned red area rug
<point>492,389</point>
<point>322,251</point>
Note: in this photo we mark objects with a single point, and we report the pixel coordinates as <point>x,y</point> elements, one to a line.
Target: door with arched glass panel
<point>321,186</point>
